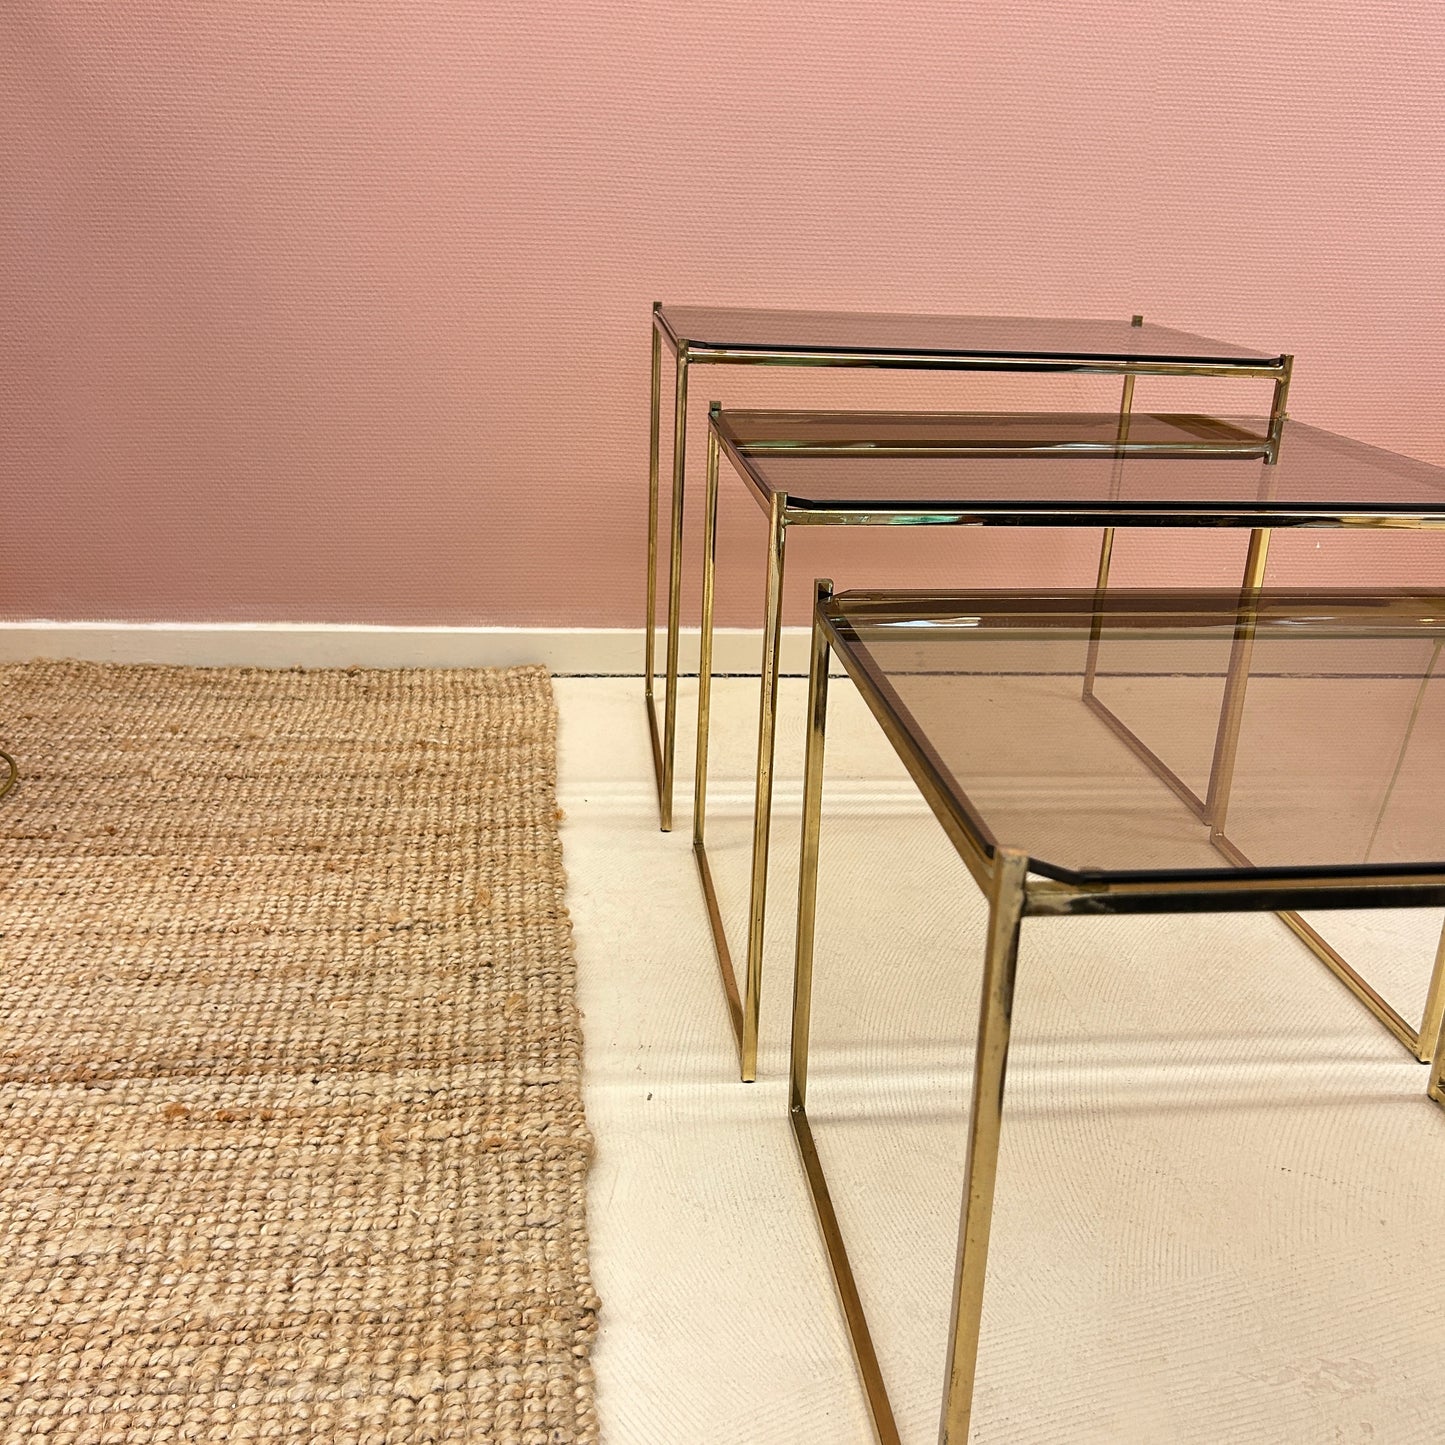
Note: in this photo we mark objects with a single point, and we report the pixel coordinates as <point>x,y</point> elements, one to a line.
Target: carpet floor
<point>292,1144</point>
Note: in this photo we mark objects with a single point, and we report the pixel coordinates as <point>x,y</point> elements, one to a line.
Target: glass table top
<point>878,432</point>
<point>1339,758</point>
<point>732,328</point>
<point>1066,468</point>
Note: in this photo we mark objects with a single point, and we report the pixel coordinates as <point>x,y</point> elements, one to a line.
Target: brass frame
<point>689,353</point>
<point>744,1003</point>
<point>1213,809</point>
<point>1013,895</point>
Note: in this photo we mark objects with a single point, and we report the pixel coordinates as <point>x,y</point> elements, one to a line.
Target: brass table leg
<point>649,641</point>
<point>1277,409</point>
<point>1420,1042</point>
<point>743,1010</point>
<point>1432,1022</point>
<point>1006,906</point>
<point>704,715</point>
<point>1096,627</point>
<point>995,1022</point>
<point>1437,1071</point>
<point>1106,543</point>
<point>1102,711</point>
<point>1226,741</point>
<point>763,795</point>
<point>674,592</point>
<point>808,860</point>
<point>857,1323</point>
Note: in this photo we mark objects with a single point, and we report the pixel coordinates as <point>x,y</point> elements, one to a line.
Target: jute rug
<point>291,1131</point>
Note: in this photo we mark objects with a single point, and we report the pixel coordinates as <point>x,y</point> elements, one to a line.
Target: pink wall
<point>338,311</point>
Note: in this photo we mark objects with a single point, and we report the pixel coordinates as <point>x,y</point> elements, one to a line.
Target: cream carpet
<point>291,1133</point>
<point>1220,1217</point>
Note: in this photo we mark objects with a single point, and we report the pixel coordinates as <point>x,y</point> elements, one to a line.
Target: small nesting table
<point>1055,814</point>
<point>1018,469</point>
<point>745,336</point>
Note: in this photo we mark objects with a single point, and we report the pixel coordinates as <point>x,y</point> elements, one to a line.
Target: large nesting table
<point>742,336</point>
<point>1019,469</point>
<point>984,698</point>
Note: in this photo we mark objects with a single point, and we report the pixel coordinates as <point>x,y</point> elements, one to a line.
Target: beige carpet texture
<point>292,1144</point>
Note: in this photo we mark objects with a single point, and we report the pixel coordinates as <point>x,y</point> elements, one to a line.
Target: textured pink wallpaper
<point>339,311</point>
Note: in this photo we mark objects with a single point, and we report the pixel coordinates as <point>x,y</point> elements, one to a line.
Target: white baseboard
<point>565,651</point>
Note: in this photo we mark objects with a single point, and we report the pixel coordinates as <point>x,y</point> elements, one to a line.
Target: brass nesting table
<point>985,699</point>
<point>738,336</point>
<point>1050,469</point>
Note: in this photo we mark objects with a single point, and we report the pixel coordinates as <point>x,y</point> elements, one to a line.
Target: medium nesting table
<point>983,697</point>
<point>1014,469</point>
<point>740,336</point>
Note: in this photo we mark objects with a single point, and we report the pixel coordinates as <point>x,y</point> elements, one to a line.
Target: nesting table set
<point>1287,811</point>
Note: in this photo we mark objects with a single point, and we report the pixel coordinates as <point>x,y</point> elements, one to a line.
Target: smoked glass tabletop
<point>729,328</point>
<point>1338,749</point>
<point>891,432</point>
<point>1068,468</point>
